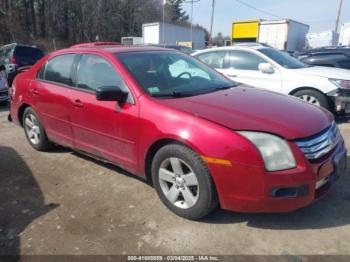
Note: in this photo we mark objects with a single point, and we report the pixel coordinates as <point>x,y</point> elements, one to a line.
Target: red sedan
<point>201,139</point>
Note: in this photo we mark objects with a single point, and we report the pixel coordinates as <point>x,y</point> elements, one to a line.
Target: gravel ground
<point>64,203</point>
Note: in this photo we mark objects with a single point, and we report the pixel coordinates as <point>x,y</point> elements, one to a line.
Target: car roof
<point>119,48</point>
<point>327,50</point>
<point>232,47</point>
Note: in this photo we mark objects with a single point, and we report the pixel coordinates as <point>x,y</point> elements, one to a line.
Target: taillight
<point>13,60</point>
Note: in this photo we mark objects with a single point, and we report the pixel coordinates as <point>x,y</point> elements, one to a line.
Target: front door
<point>103,128</point>
<point>243,67</point>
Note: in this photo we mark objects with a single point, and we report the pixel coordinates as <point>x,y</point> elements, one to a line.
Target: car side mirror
<point>266,68</point>
<point>111,93</point>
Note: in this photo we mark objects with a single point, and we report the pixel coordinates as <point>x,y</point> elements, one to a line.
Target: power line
<point>259,10</point>
<point>270,14</point>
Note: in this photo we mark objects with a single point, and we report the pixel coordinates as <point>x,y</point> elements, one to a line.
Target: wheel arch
<point>20,113</point>
<point>305,88</point>
<point>153,149</point>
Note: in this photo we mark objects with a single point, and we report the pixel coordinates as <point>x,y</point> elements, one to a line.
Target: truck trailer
<point>287,34</point>
<point>322,39</point>
<point>344,37</point>
<point>152,33</point>
<point>131,40</point>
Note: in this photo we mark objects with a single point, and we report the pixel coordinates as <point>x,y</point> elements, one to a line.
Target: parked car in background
<point>332,56</point>
<point>201,139</point>
<point>184,49</point>
<point>14,56</point>
<point>4,97</point>
<point>268,68</point>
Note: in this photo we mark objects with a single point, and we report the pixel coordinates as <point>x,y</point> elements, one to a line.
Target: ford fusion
<point>199,138</point>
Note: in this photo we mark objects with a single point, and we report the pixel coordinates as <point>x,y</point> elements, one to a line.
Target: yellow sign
<point>245,29</point>
<point>188,44</point>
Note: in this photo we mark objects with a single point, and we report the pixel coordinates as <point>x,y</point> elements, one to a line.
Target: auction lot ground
<point>64,203</point>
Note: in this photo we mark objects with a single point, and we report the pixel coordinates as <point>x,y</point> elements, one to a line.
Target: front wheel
<point>183,182</point>
<point>313,97</point>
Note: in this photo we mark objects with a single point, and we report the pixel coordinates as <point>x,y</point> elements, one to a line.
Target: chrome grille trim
<point>320,145</point>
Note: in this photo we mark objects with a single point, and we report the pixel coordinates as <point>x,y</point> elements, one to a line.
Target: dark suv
<point>15,56</point>
<point>332,56</point>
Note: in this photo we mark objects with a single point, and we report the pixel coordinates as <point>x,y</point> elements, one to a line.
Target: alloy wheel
<point>310,99</point>
<point>32,129</point>
<point>178,183</point>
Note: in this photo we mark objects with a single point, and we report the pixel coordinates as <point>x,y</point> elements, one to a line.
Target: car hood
<point>253,109</point>
<point>322,71</point>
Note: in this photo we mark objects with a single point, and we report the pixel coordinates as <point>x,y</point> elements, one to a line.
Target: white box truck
<point>344,37</point>
<point>131,40</point>
<point>152,33</point>
<point>322,39</point>
<point>287,34</point>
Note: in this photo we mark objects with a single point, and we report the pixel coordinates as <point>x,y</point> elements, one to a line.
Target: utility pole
<point>163,37</point>
<point>211,22</point>
<point>191,2</point>
<point>338,16</point>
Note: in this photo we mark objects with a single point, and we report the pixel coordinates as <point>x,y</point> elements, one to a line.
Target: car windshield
<point>282,58</point>
<point>172,74</point>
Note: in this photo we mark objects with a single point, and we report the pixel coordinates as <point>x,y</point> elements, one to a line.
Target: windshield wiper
<point>173,94</point>
<point>224,87</point>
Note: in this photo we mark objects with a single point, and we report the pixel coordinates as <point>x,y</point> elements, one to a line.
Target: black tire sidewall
<point>318,95</point>
<point>44,144</point>
<point>207,200</point>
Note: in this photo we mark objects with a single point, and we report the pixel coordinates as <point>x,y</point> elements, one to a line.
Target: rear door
<point>103,128</point>
<point>49,95</point>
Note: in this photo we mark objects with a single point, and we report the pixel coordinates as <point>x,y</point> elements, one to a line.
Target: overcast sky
<point>319,14</point>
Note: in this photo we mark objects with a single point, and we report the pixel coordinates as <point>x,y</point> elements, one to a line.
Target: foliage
<point>59,23</point>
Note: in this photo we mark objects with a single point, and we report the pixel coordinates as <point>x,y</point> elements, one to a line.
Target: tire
<point>34,131</point>
<point>313,97</point>
<point>191,191</point>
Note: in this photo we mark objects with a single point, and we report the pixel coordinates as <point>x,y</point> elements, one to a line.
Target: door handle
<point>35,91</point>
<point>78,103</point>
<point>231,75</point>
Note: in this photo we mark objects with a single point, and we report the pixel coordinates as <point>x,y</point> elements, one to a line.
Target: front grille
<point>320,145</point>
<point>4,93</point>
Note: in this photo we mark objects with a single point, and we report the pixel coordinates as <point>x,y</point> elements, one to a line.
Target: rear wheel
<point>313,97</point>
<point>34,131</point>
<point>183,182</point>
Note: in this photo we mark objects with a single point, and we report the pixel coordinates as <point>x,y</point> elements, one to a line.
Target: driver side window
<point>94,72</point>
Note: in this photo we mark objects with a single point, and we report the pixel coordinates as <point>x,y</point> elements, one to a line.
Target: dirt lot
<point>65,203</point>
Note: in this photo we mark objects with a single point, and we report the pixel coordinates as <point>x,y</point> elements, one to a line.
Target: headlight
<point>340,83</point>
<point>274,150</point>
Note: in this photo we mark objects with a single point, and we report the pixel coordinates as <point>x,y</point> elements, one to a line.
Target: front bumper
<point>246,188</point>
<point>341,100</point>
<point>4,96</point>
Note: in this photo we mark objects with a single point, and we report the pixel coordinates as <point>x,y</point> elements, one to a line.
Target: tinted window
<point>29,53</point>
<point>345,64</point>
<point>282,58</point>
<point>58,69</point>
<point>243,60</point>
<point>214,59</point>
<point>95,72</point>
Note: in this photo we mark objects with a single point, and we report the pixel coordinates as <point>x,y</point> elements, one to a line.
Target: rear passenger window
<point>59,68</point>
<point>214,59</point>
